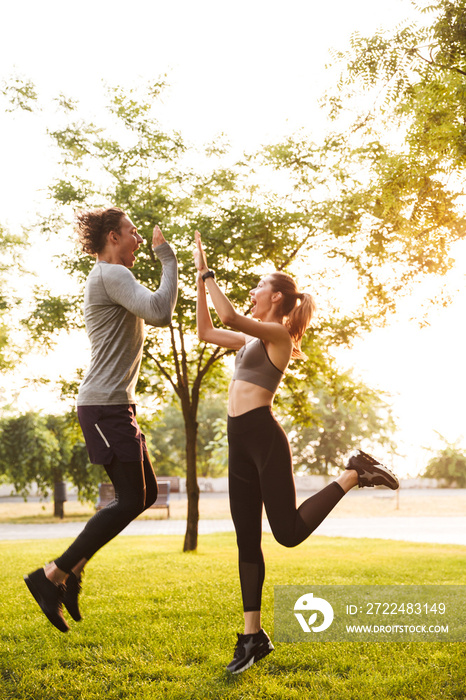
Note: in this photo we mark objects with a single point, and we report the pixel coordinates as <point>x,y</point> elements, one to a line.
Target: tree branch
<point>294,253</point>
<point>434,63</point>
<point>161,369</point>
<point>184,363</point>
<point>179,375</point>
<point>201,356</point>
<point>216,355</point>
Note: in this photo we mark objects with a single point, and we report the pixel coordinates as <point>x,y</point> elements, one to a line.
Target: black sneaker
<point>249,649</point>
<point>70,598</point>
<point>49,596</point>
<point>371,472</point>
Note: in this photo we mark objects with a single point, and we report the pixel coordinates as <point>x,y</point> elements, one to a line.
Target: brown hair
<point>298,308</point>
<point>93,227</point>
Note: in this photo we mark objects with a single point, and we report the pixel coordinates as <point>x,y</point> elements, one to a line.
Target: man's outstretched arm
<point>156,308</point>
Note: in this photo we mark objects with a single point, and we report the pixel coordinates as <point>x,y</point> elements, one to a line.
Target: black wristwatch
<point>209,273</point>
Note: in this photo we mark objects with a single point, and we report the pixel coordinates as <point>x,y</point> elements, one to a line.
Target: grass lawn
<point>161,624</point>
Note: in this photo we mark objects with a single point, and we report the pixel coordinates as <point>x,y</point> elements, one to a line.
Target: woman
<point>260,466</point>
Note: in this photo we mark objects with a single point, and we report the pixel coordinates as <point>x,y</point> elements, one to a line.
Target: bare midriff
<point>244,397</point>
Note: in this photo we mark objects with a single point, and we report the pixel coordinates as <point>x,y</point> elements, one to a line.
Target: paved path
<point>437,530</point>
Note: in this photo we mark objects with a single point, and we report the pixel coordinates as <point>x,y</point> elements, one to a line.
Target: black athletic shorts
<point>112,431</point>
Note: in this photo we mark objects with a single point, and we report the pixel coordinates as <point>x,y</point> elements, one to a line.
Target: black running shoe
<point>49,596</point>
<point>70,598</point>
<point>249,649</point>
<point>371,472</point>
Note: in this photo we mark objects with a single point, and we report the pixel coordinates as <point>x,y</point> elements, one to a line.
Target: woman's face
<point>261,297</point>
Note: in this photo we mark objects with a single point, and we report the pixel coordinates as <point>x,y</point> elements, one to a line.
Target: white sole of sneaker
<point>374,472</point>
<point>245,667</point>
<point>253,660</point>
<point>378,476</point>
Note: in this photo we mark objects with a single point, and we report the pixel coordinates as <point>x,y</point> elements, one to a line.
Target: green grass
<point>161,624</point>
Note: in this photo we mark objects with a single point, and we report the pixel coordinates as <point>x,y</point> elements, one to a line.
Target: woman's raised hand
<point>199,256</point>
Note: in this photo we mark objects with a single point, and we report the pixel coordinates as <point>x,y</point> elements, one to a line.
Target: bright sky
<point>253,69</point>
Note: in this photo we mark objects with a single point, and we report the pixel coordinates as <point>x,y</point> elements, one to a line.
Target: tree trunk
<point>189,406</point>
<point>59,509</point>
<point>59,498</point>
<point>192,487</point>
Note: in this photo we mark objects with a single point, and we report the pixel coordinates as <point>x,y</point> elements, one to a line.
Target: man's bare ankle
<point>54,574</point>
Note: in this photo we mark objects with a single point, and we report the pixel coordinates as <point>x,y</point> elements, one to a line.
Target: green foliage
<point>408,137</point>
<point>448,466</point>
<point>168,442</point>
<point>20,93</point>
<point>29,452</point>
<point>51,314</point>
<point>341,423</point>
<point>11,248</point>
<point>45,449</point>
<point>4,343</point>
<point>217,449</point>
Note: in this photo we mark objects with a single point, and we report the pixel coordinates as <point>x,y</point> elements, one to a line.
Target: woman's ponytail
<point>298,309</point>
<point>298,321</point>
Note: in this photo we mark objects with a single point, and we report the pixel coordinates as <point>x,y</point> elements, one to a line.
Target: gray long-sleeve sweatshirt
<point>115,309</point>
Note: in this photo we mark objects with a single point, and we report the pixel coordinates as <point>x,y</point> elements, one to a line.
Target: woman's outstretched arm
<point>205,328</point>
<point>274,332</point>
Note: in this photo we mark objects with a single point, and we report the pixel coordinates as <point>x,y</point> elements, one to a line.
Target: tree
<point>448,466</point>
<point>29,452</point>
<point>391,203</point>
<point>340,424</point>
<point>407,139</point>
<point>73,458</point>
<point>45,450</point>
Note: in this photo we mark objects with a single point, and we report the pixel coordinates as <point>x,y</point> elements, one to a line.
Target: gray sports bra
<point>253,365</point>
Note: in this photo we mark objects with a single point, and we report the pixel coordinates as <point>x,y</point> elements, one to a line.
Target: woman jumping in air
<point>260,465</point>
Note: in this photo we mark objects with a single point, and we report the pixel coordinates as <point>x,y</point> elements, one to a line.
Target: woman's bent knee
<point>287,539</point>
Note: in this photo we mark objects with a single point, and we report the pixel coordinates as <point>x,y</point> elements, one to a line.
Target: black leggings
<point>135,490</point>
<point>260,472</point>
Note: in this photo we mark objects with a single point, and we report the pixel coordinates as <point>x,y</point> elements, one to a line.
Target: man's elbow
<point>161,320</point>
<point>165,320</point>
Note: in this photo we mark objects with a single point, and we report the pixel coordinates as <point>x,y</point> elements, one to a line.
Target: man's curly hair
<point>93,227</point>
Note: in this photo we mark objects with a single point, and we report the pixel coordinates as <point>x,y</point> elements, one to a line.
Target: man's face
<point>128,241</point>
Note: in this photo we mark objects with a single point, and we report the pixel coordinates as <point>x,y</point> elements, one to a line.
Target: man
<point>115,309</point>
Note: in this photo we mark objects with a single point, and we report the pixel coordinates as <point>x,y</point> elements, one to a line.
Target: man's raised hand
<point>157,237</point>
